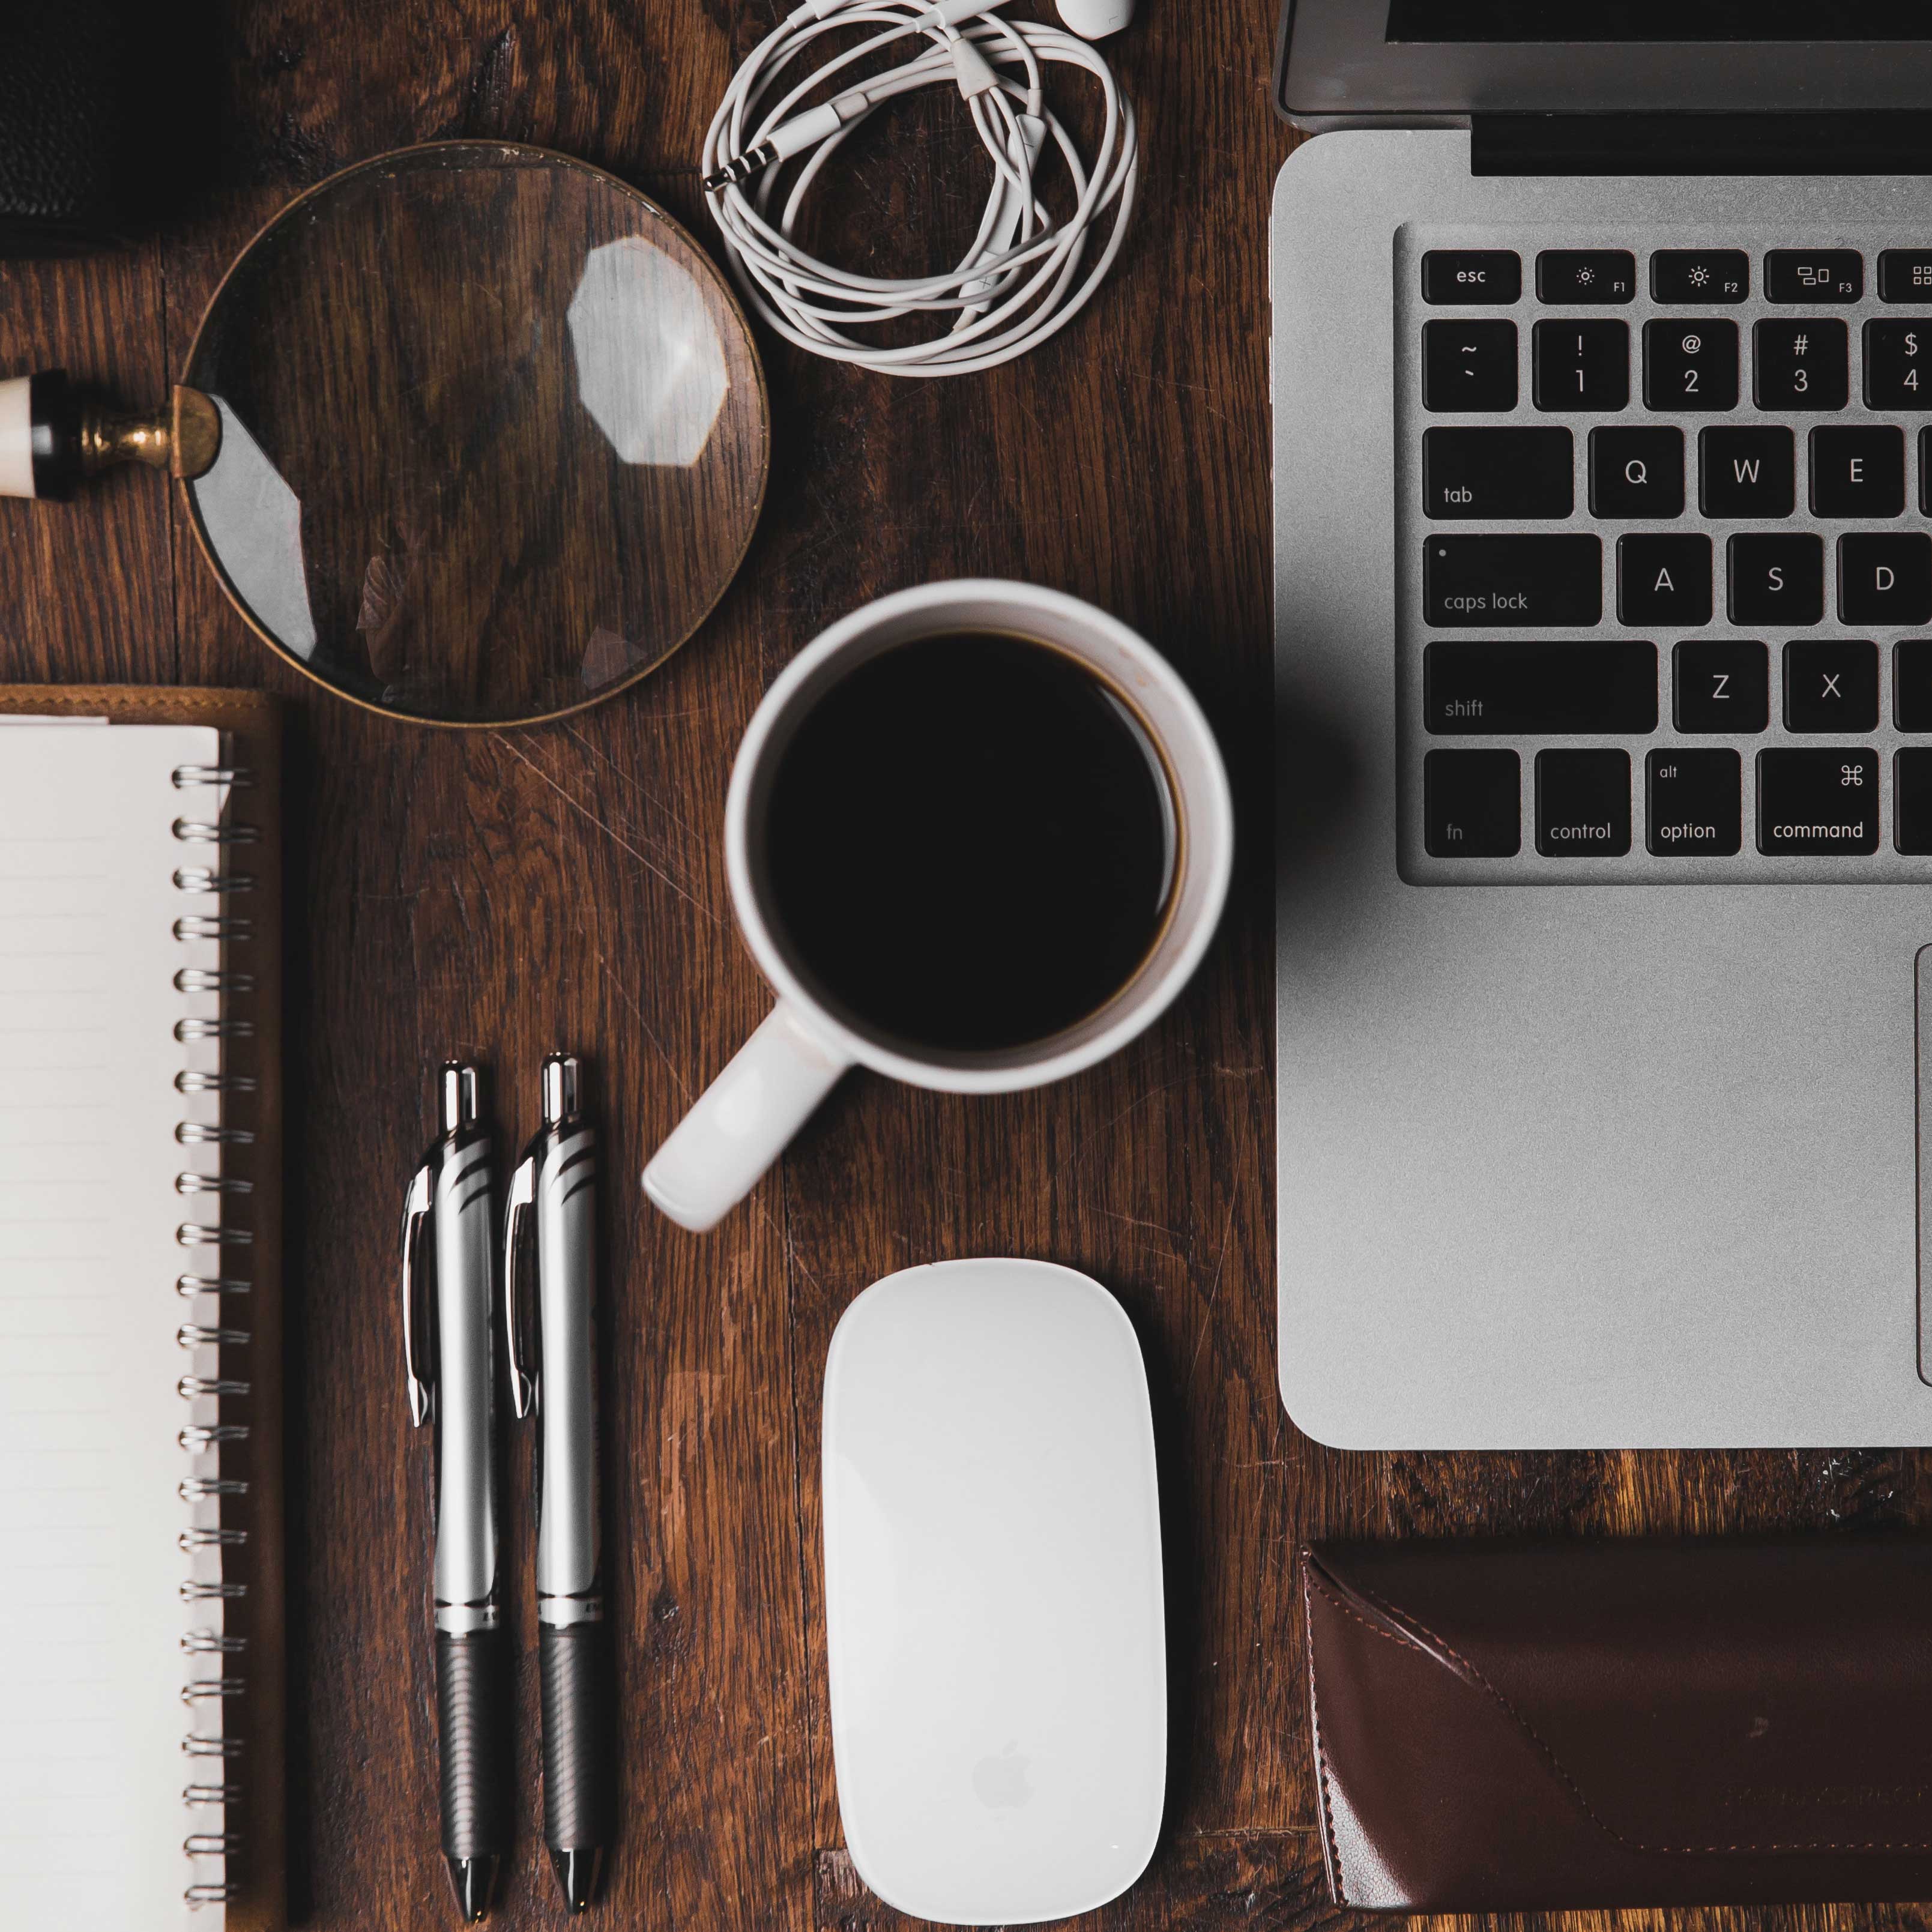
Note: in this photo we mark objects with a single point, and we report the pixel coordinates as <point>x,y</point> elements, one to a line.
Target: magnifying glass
<point>472,433</point>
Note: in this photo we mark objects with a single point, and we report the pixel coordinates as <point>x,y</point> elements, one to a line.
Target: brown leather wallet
<point>1509,1725</point>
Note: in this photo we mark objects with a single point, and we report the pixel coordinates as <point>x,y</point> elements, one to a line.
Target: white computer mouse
<point>993,1593</point>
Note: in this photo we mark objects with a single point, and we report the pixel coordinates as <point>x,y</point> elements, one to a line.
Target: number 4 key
<point>1896,349</point>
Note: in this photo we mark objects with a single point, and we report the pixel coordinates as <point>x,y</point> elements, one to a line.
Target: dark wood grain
<point>498,895</point>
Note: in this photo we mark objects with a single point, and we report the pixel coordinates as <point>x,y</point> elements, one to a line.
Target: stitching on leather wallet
<point>1322,1773</point>
<point>1401,1634</point>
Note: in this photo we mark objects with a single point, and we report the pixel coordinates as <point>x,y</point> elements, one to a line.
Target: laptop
<point>1602,388</point>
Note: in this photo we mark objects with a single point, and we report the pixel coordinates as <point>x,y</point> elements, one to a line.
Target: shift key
<point>1484,581</point>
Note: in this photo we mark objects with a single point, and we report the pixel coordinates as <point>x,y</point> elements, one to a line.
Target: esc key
<point>1472,275</point>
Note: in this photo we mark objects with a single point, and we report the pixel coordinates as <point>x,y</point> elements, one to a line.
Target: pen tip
<point>473,1879</point>
<point>576,1876</point>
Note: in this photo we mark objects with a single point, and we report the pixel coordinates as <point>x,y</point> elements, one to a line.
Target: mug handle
<point>742,1121</point>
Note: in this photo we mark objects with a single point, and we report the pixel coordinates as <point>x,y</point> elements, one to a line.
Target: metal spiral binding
<point>219,927</point>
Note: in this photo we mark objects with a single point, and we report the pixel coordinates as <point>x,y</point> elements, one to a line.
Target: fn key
<point>1471,804</point>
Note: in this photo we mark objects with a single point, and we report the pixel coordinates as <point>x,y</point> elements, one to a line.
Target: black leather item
<point>59,125</point>
<point>1521,1726</point>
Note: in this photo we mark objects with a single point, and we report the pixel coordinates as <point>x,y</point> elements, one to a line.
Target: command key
<point>1817,801</point>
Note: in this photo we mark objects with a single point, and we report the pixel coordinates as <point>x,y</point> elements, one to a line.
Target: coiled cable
<point>1025,275</point>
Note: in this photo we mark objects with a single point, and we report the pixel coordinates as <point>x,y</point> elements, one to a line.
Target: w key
<point>1497,473</point>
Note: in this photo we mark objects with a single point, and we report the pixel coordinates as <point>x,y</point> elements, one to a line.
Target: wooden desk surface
<point>496,895</point>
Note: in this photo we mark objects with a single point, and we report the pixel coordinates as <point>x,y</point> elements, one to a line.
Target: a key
<point>1800,365</point>
<point>1468,365</point>
<point>1813,803</point>
<point>1585,275</point>
<point>1776,579</point>
<point>1830,684</point>
<point>1683,275</point>
<point>1637,472</point>
<point>1897,349</point>
<point>1912,800</point>
<point>1480,582</point>
<point>1691,807</point>
<point>1813,275</point>
<point>1905,275</point>
<point>1664,580</point>
<point>1857,473</point>
<point>1501,689</point>
<point>1580,365</point>
<point>1690,365</point>
<point>1912,684</point>
<point>1582,804</point>
<point>1472,275</point>
<point>1745,472</point>
<point>1721,685</point>
<point>1471,804</point>
<point>1498,472</point>
<point>1884,578</point>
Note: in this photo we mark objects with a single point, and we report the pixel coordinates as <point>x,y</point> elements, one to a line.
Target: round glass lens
<point>494,434</point>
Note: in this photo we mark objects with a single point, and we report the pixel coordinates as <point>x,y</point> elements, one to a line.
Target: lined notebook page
<point>92,1766</point>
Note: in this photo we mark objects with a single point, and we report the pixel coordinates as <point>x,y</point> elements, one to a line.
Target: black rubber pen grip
<point>473,1696</point>
<point>578,1774</point>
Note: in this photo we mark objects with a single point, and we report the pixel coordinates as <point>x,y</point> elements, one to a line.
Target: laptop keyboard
<point>1666,584</point>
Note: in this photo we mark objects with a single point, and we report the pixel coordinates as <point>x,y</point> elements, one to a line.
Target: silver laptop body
<point>1578,1146</point>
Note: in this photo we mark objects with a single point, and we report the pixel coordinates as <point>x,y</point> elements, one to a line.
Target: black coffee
<point>968,842</point>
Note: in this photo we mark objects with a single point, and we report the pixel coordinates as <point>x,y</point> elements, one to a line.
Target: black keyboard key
<point>1498,472</point>
<point>1813,275</point>
<point>1830,685</point>
<point>1905,275</point>
<point>1691,808</point>
<point>1664,580</point>
<point>1680,275</point>
<point>1480,582</point>
<point>1897,349</point>
<point>1500,689</point>
<point>1721,686</point>
<point>1472,275</point>
<point>1579,275</point>
<point>1813,803</point>
<point>1468,365</point>
<point>1471,804</point>
<point>1745,472</point>
<point>1800,365</point>
<point>1637,472</point>
<point>1582,804</point>
<point>1777,579</point>
<point>1884,578</point>
<point>1857,473</point>
<point>1690,365</point>
<point>1925,473</point>
<point>1912,684</point>
<point>1580,365</point>
<point>1912,801</point>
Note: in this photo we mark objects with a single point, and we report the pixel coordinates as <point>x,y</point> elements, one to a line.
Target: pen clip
<point>519,1225</point>
<point>417,1341</point>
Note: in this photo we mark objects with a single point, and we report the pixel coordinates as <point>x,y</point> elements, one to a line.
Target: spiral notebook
<point>140,1750</point>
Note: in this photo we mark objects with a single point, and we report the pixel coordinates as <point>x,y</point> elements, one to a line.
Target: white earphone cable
<point>1022,279</point>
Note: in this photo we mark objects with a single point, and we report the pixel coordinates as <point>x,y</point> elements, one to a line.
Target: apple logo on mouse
<point>1001,1782</point>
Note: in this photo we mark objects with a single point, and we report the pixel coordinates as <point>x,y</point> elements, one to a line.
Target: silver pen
<point>448,1346</point>
<point>553,1218</point>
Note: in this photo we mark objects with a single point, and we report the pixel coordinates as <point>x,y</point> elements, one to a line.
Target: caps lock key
<point>1545,581</point>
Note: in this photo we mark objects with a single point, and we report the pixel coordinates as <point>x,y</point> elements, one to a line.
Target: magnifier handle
<point>54,436</point>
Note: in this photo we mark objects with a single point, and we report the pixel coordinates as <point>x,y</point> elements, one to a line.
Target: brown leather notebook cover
<point>250,723</point>
<point>1515,1727</point>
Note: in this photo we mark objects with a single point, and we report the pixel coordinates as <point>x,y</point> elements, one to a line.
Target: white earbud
<point>1095,19</point>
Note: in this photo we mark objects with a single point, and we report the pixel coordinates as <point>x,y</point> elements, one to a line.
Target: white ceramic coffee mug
<point>742,1122</point>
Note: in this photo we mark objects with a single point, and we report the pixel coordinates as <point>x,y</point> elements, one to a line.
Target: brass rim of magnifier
<point>527,150</point>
